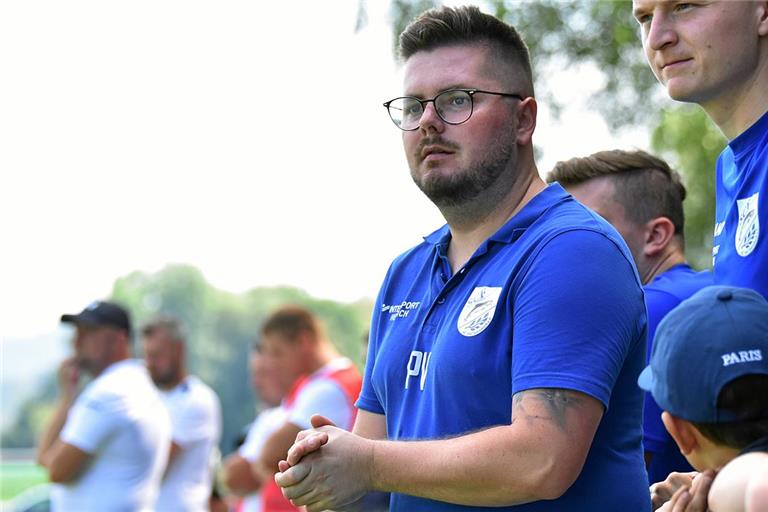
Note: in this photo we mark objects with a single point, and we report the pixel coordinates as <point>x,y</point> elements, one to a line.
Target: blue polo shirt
<point>662,295</point>
<point>551,300</point>
<point>740,248</point>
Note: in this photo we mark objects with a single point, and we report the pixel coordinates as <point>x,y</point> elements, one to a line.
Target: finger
<point>303,434</point>
<point>283,466</point>
<point>700,492</point>
<point>305,447</point>
<point>319,506</point>
<point>292,476</point>
<point>680,500</point>
<point>321,421</point>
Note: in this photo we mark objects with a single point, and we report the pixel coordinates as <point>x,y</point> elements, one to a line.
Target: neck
<point>178,380</point>
<point>488,213</point>
<point>109,362</point>
<point>740,109</point>
<point>720,455</point>
<point>661,264</point>
<point>325,354</point>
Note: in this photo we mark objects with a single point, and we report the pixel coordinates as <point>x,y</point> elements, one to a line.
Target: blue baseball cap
<point>714,337</point>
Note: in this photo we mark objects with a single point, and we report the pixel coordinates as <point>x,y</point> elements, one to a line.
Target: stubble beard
<point>469,188</point>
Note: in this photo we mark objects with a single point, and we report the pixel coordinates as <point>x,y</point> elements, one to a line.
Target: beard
<point>464,185</point>
<point>165,379</point>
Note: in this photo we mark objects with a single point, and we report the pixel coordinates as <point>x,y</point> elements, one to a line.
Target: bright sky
<point>245,138</point>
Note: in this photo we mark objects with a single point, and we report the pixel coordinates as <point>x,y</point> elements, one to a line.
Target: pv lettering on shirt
<point>418,364</point>
<point>742,356</point>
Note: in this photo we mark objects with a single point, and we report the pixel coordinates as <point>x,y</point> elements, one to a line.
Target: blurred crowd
<point>133,434</point>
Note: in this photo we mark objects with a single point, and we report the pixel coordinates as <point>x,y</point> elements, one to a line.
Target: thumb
<point>320,421</point>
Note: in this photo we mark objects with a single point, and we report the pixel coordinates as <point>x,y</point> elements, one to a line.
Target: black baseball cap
<point>101,313</point>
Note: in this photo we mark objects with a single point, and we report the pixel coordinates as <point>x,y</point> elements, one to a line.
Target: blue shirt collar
<point>751,136</point>
<point>515,226</point>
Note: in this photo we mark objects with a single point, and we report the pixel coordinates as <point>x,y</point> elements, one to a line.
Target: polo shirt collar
<point>515,226</point>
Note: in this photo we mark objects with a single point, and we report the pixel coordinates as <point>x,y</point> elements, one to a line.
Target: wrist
<point>374,480</point>
<point>378,467</point>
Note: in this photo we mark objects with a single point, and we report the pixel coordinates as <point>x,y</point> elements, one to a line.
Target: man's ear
<point>762,28</point>
<point>526,121</point>
<point>682,432</point>
<point>659,233</point>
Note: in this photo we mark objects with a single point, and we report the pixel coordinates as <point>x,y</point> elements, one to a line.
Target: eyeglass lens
<point>453,107</point>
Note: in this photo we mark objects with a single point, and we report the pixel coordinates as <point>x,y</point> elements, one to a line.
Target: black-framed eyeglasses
<point>454,106</point>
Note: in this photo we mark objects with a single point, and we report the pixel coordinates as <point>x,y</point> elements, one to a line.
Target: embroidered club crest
<point>748,229</point>
<point>479,310</point>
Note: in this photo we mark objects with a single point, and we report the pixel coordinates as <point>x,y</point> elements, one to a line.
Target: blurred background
<point>216,160</point>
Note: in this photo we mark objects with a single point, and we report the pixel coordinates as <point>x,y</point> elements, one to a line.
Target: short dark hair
<point>171,326</point>
<point>290,321</point>
<point>646,186</point>
<point>446,26</point>
<point>746,398</point>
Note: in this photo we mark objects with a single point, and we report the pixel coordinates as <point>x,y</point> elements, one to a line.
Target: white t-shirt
<point>264,426</point>
<point>322,395</point>
<point>196,428</point>
<point>120,420</point>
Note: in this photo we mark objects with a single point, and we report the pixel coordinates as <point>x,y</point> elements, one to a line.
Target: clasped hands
<point>682,492</point>
<point>326,468</point>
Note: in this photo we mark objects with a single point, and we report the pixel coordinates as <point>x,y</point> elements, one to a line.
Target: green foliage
<point>221,328</point>
<point>27,428</point>
<point>687,137</point>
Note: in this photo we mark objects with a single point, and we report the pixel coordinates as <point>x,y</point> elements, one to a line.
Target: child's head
<point>709,373</point>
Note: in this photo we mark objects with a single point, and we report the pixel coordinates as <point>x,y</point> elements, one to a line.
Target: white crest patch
<point>479,310</point>
<point>748,229</point>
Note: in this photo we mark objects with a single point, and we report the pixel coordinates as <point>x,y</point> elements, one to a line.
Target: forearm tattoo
<point>556,402</point>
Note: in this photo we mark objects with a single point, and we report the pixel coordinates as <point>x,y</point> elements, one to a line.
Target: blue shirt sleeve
<point>368,399</point>
<point>578,312</point>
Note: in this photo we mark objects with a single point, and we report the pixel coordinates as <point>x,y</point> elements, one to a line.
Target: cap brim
<point>70,319</point>
<point>646,379</point>
<point>80,319</point>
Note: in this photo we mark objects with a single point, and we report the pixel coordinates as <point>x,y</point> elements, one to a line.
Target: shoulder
<point>568,222</point>
<point>317,388</point>
<point>201,393</point>
<point>730,485</point>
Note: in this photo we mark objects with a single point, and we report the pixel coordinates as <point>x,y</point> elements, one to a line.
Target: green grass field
<point>16,477</point>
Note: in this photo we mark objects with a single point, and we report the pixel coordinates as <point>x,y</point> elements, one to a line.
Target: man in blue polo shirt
<point>643,198</point>
<point>715,54</point>
<point>504,348</point>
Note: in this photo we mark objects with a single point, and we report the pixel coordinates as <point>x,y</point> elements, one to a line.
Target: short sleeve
<point>92,420</point>
<point>578,312</point>
<point>368,400</point>
<point>324,397</point>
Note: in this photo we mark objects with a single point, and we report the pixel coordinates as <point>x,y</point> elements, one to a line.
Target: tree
<point>602,35</point>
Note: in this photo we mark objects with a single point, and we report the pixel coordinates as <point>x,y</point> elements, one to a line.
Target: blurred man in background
<point>107,447</point>
<point>195,418</point>
<point>240,475</point>
<point>643,198</point>
<point>321,382</point>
